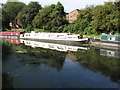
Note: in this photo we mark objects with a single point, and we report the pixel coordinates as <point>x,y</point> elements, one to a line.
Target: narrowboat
<point>53,36</point>
<point>110,38</point>
<point>10,35</point>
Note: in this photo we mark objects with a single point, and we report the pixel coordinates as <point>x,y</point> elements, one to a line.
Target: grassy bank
<point>6,48</point>
<point>92,36</point>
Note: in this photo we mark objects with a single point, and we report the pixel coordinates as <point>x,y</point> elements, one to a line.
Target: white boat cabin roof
<point>53,33</point>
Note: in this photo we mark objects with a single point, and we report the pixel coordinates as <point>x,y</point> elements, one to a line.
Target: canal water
<point>34,64</point>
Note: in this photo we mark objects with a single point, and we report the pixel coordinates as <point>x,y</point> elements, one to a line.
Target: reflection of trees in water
<point>48,57</point>
<point>91,59</point>
<point>6,49</point>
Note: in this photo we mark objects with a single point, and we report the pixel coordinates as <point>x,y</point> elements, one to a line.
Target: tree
<point>10,11</point>
<point>28,13</point>
<point>50,18</point>
<point>5,20</point>
<point>59,7</point>
<point>97,20</point>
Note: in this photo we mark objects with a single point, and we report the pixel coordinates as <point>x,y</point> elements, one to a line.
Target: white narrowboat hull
<point>53,36</point>
<point>58,39</point>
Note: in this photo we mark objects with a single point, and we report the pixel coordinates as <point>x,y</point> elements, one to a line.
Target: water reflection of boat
<point>110,53</point>
<point>10,35</point>
<point>12,41</point>
<point>53,46</point>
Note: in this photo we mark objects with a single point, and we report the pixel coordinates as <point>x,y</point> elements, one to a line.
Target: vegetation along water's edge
<point>91,20</point>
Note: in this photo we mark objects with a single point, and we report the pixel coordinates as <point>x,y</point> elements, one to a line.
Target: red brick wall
<point>71,17</point>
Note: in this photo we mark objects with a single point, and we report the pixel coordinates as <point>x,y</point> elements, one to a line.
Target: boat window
<point>60,48</point>
<point>113,38</point>
<point>51,46</point>
<point>60,35</point>
<point>109,38</point>
<point>70,48</point>
<point>69,34</point>
<point>51,35</point>
<point>36,34</point>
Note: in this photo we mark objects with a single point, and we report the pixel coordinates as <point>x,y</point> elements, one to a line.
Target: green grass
<point>92,36</point>
<point>117,33</point>
<point>93,44</point>
<point>20,50</point>
<point>40,30</point>
<point>7,30</point>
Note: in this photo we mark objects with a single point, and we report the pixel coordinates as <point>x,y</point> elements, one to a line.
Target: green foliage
<point>94,60</point>
<point>97,20</point>
<point>5,20</point>
<point>59,7</point>
<point>92,36</point>
<point>28,13</point>
<point>10,11</point>
<point>40,30</point>
<point>6,48</point>
<point>91,20</point>
<point>29,28</point>
<point>50,18</point>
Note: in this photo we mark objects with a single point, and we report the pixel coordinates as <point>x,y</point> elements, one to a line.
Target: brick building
<point>72,16</point>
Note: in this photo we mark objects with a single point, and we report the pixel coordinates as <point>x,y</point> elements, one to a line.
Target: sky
<point>69,5</point>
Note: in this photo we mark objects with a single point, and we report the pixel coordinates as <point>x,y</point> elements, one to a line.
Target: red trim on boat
<point>13,41</point>
<point>10,33</point>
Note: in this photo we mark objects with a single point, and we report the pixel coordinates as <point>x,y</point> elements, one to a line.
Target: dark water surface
<point>44,65</point>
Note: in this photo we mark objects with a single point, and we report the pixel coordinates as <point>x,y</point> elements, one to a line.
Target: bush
<point>6,48</point>
<point>29,28</point>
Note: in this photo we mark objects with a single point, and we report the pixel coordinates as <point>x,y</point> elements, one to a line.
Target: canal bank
<point>100,43</point>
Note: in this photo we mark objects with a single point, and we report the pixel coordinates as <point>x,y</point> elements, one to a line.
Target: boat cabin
<point>107,37</point>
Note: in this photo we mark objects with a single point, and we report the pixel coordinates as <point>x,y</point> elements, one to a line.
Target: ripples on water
<point>49,65</point>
